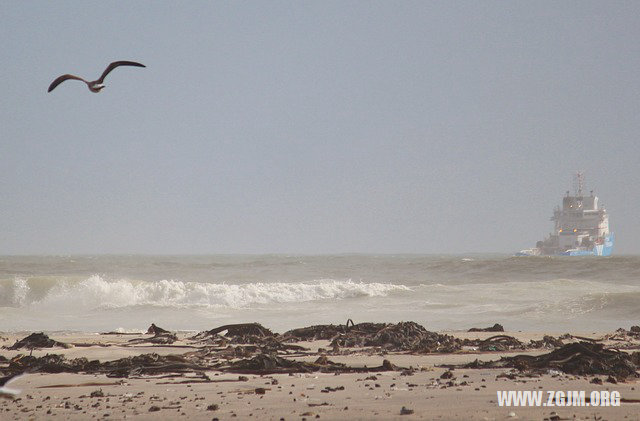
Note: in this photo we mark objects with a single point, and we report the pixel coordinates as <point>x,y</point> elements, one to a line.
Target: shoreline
<point>321,380</point>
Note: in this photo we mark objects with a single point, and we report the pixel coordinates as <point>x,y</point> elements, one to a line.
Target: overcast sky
<point>314,127</point>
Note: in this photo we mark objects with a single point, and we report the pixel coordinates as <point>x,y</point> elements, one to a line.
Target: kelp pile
<point>271,364</point>
<point>403,336</point>
<point>160,336</point>
<point>316,332</point>
<point>37,340</point>
<point>579,358</point>
<point>146,364</point>
<point>250,348</point>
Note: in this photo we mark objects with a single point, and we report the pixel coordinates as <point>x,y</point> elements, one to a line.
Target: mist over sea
<point>128,293</point>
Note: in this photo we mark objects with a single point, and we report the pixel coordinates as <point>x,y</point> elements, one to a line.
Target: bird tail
<point>6,392</point>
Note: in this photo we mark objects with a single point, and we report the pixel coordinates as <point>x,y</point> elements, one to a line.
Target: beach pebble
<point>406,411</point>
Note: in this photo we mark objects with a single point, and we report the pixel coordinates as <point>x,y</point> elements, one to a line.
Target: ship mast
<point>579,183</point>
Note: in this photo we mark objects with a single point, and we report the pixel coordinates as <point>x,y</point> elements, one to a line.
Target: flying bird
<point>96,85</point>
<point>5,392</point>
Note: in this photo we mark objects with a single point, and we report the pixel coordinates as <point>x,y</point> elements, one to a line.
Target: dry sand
<point>469,395</point>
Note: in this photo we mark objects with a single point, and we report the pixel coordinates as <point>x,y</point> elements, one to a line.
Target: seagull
<point>96,85</point>
<point>5,392</point>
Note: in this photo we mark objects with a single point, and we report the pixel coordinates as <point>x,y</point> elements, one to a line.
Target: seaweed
<point>270,364</point>
<point>37,340</point>
<point>160,336</point>
<point>579,358</point>
<point>495,328</point>
<point>403,336</point>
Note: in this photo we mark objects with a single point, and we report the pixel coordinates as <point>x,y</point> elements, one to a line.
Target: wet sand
<point>428,391</point>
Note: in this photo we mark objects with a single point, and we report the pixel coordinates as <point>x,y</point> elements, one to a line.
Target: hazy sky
<point>315,126</point>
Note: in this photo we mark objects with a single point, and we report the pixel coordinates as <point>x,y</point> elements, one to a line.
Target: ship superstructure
<point>581,227</point>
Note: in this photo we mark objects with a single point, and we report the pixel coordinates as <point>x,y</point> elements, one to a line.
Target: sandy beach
<point>320,210</point>
<point>408,385</point>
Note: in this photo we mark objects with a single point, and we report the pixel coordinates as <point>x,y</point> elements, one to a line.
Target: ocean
<point>194,293</point>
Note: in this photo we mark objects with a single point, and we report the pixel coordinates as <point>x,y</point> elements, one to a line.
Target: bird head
<point>95,87</point>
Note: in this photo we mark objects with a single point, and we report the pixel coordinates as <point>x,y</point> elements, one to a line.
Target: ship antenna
<point>579,183</point>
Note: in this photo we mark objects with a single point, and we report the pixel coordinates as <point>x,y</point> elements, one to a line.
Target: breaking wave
<point>98,292</point>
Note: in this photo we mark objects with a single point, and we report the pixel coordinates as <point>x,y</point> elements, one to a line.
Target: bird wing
<point>6,392</point>
<point>116,64</point>
<point>61,79</point>
<point>11,377</point>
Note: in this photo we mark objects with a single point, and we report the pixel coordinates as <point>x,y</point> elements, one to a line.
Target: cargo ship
<point>581,227</point>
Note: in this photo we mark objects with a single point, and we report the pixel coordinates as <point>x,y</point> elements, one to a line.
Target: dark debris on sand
<point>403,336</point>
<point>160,336</point>
<point>250,348</point>
<point>509,343</point>
<point>315,333</point>
<point>146,364</point>
<point>245,340</point>
<point>154,364</point>
<point>495,328</point>
<point>37,340</point>
<point>239,333</point>
<point>579,358</point>
<point>271,364</point>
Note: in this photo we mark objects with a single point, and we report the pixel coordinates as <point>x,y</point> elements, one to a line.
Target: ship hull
<point>604,249</point>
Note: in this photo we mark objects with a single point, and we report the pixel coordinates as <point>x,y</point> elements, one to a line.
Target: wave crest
<point>97,292</point>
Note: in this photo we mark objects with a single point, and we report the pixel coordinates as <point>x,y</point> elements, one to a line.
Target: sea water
<point>128,293</point>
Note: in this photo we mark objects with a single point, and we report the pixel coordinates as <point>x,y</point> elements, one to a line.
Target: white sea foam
<point>14,293</point>
<point>98,292</point>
